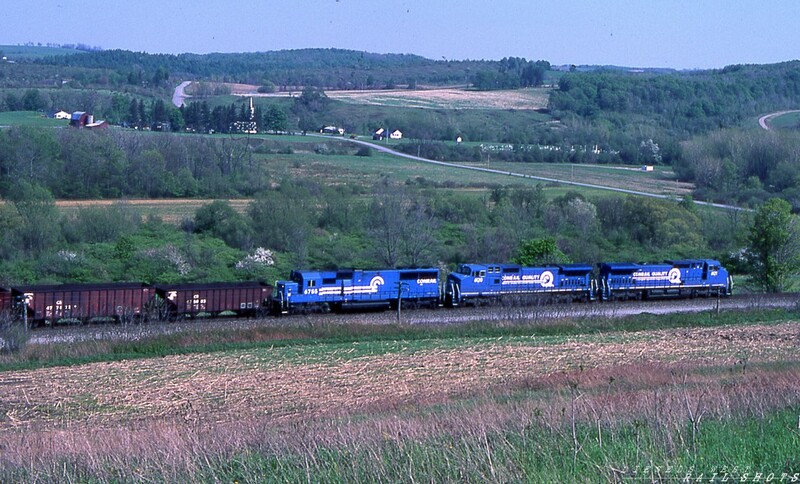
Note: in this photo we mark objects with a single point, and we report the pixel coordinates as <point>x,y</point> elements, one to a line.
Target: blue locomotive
<point>684,278</point>
<point>480,283</point>
<point>307,291</point>
<point>337,290</point>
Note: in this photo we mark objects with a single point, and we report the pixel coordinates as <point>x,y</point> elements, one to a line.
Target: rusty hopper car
<point>52,304</point>
<point>5,302</point>
<point>214,298</point>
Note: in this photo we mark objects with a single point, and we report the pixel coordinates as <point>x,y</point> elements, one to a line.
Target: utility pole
<point>400,287</point>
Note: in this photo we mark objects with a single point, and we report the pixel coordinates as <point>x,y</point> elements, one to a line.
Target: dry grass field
<point>444,98</point>
<point>171,211</point>
<point>365,409</point>
<point>282,385</point>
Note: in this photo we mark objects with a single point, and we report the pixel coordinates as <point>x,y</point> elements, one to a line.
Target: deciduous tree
<point>536,252</point>
<point>774,245</point>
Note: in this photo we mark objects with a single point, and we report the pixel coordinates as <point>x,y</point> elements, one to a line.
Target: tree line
<point>286,69</point>
<point>306,223</point>
<point>679,103</point>
<point>80,164</point>
<point>742,166</point>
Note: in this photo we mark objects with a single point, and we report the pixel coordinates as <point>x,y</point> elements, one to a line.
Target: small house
<point>379,134</point>
<point>396,134</point>
<point>61,115</point>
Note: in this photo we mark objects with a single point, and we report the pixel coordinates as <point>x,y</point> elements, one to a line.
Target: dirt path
<point>285,384</point>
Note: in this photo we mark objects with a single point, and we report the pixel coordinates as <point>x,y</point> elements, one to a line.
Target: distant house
<point>61,115</point>
<point>396,134</point>
<point>378,134</point>
<point>79,119</point>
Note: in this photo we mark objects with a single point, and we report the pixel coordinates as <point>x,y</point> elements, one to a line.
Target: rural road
<point>390,151</point>
<point>179,96</point>
<point>763,121</point>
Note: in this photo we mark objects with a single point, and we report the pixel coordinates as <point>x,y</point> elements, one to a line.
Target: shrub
<point>13,336</point>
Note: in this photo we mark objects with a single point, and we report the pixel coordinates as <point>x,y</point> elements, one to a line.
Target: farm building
<point>381,133</point>
<point>98,125</point>
<point>79,119</point>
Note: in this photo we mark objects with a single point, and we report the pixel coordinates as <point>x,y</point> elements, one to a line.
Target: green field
<point>379,165</point>
<point>14,52</point>
<point>372,170</point>
<point>30,118</point>
<point>786,121</point>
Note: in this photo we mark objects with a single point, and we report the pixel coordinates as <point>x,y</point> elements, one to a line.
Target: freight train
<point>322,291</point>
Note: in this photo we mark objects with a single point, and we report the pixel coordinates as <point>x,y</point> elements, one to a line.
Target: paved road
<point>390,151</point>
<point>764,120</point>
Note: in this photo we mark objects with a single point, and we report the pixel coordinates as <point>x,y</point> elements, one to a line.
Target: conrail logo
<point>674,276</point>
<point>546,279</point>
<point>375,282</point>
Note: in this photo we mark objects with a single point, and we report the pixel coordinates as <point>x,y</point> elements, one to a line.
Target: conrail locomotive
<point>338,290</point>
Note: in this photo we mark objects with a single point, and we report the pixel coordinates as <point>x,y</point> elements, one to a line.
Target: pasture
<point>16,52</point>
<point>30,118</point>
<point>786,121</point>
<point>372,170</point>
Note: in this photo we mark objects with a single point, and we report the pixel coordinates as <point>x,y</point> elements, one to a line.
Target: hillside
<point>328,68</point>
<point>16,53</point>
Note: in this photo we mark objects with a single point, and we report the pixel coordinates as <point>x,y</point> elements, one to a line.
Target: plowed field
<point>294,383</point>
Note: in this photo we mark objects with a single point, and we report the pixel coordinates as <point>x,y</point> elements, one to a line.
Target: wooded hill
<point>323,68</point>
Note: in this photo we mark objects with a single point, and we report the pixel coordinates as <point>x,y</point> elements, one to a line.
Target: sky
<point>681,34</point>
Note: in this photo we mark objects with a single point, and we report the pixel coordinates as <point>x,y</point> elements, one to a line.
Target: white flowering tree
<point>255,263</point>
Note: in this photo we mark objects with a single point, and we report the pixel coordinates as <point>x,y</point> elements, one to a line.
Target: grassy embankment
<point>586,399</point>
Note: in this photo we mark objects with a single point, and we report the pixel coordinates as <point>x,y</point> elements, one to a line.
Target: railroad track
<point>491,314</point>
